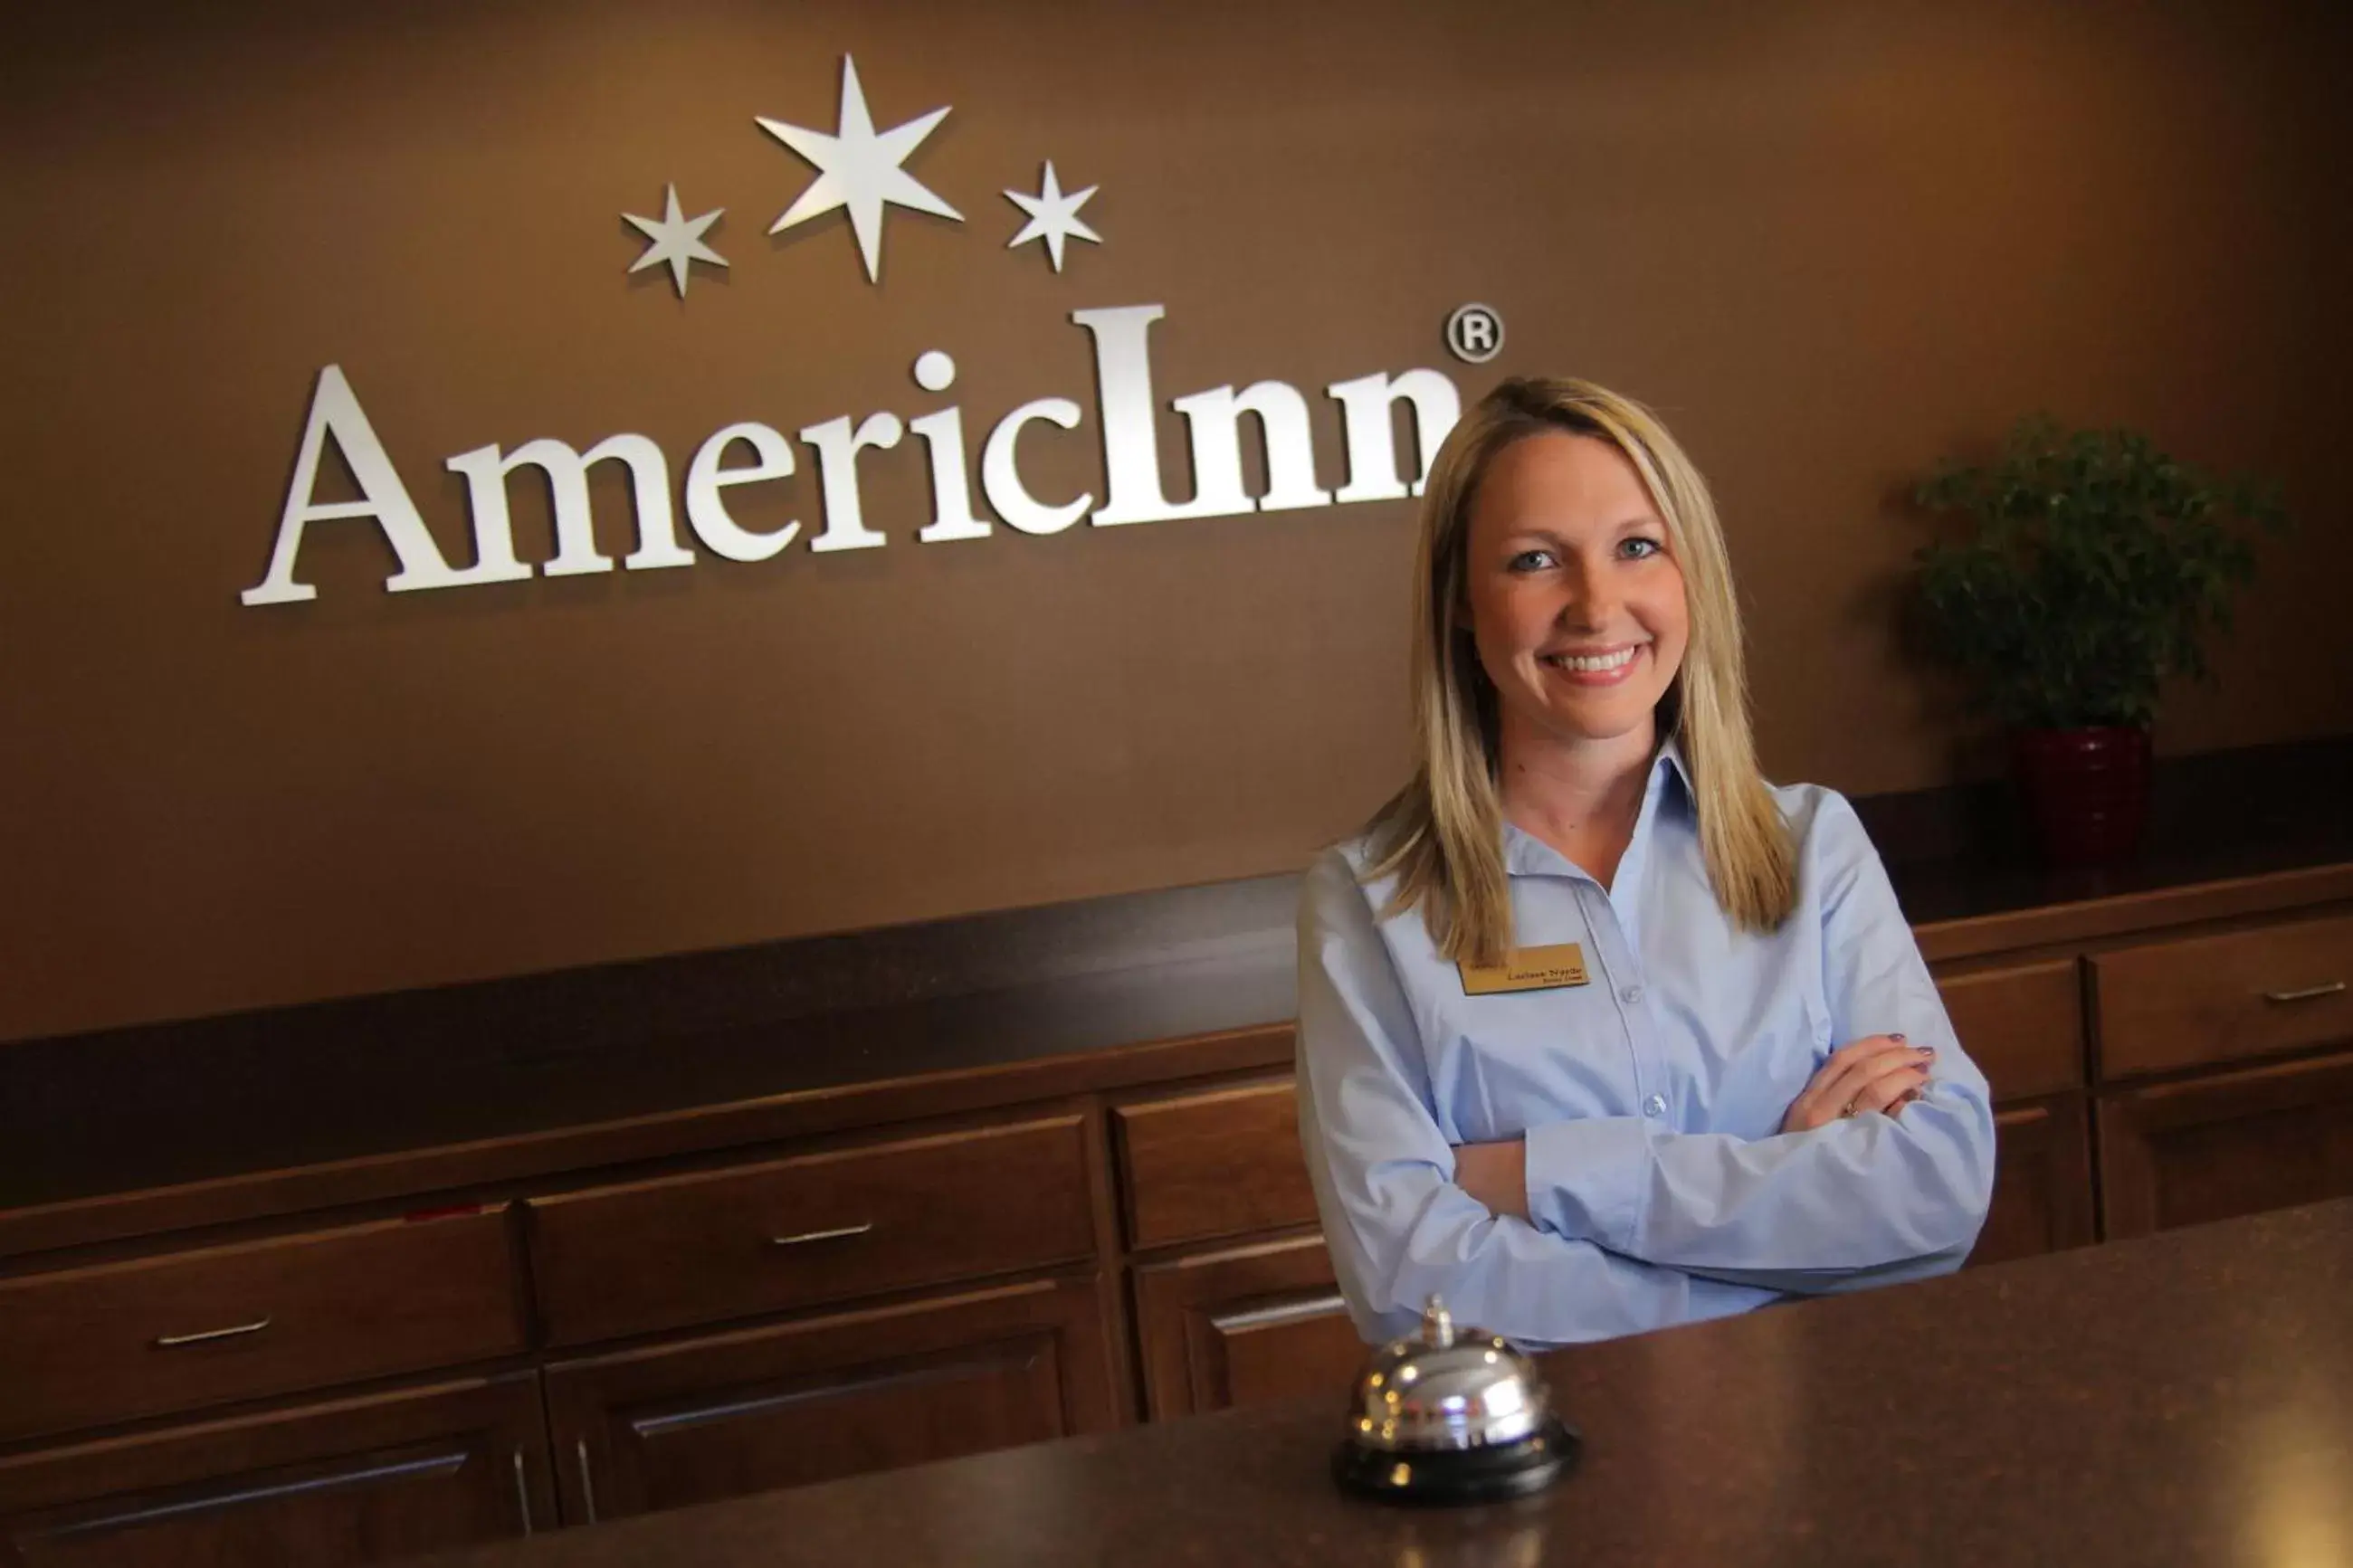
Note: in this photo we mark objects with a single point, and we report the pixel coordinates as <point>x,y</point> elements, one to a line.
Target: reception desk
<point>342,1284</point>
<point>2186,1399</point>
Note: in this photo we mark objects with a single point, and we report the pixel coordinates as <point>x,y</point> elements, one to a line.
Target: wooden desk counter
<point>2185,1399</point>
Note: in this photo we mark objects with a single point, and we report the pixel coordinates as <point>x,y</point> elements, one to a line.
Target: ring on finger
<point>1848,1109</point>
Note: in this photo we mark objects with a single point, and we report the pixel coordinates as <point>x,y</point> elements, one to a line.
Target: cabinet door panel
<point>787,1406</point>
<point>1243,1326</point>
<point>355,1481</point>
<point>726,1442</point>
<point>2236,1144</point>
<point>2043,1180</point>
<point>1295,1344</point>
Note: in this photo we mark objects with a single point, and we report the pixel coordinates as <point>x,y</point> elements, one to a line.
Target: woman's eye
<point>1529,560</point>
<point>1642,549</point>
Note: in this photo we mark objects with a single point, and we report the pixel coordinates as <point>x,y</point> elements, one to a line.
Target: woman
<point>1598,1031</point>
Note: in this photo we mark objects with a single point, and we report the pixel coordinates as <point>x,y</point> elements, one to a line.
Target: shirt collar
<point>1527,854</point>
<point>1671,753</point>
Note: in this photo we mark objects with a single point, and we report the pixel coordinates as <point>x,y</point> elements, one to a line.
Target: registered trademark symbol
<point>1475,333</point>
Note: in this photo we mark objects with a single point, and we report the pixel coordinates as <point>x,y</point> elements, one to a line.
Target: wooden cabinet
<point>814,1228</point>
<point>2022,1023</point>
<point>1213,1163</point>
<point>2283,986</point>
<point>2228,1144</point>
<point>1241,1326</point>
<point>2043,1180</point>
<point>729,1414</point>
<point>184,1328</point>
<point>352,1481</point>
<point>1257,1319</point>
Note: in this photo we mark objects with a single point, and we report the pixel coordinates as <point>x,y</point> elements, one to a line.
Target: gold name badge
<point>1527,969</point>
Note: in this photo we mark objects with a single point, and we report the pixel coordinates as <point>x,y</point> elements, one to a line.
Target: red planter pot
<point>2086,790</point>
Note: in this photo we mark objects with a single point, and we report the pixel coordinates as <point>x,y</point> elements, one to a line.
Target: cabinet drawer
<point>84,1346</point>
<point>2221,998</point>
<point>1221,1163</point>
<point>2023,1025</point>
<point>816,1228</point>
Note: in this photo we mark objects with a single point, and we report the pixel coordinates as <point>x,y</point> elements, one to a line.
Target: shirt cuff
<point>1587,1178</point>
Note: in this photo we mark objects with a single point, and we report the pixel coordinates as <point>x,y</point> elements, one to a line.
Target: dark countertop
<point>135,1110</point>
<point>2182,1400</point>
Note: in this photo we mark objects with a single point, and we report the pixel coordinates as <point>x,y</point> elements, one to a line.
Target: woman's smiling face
<point>1575,604</point>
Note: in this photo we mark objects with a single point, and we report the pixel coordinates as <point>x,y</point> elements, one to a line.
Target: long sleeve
<point>1861,1201</point>
<point>1397,1226</point>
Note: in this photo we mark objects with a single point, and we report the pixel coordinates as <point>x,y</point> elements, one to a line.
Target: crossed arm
<point>1607,1225</point>
<point>1877,1075</point>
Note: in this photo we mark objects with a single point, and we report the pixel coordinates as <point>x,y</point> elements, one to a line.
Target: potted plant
<point>2092,570</point>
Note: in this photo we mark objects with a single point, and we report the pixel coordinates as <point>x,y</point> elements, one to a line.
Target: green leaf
<point>2096,568</point>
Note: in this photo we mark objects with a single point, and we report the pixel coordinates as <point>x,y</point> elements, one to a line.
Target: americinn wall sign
<point>861,170</point>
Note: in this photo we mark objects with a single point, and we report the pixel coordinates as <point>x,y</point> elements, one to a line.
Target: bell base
<point>1445,1476</point>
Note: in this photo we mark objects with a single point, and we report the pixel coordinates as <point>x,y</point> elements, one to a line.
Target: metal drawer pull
<point>1301,1310</point>
<point>522,1494</point>
<point>841,1234</point>
<point>2307,995</point>
<point>168,1340</point>
<point>587,1481</point>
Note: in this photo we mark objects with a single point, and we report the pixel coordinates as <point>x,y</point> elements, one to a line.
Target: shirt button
<point>1655,1106</point>
<point>1630,995</point>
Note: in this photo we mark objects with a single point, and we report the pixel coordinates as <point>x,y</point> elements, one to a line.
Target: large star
<point>860,170</point>
<point>1053,217</point>
<point>677,240</point>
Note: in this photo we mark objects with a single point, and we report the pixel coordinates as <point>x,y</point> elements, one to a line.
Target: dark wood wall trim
<point>419,1173</point>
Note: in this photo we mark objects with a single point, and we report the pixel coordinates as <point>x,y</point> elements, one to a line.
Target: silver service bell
<point>1443,1416</point>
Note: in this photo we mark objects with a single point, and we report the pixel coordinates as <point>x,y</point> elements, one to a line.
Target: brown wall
<point>1832,243</point>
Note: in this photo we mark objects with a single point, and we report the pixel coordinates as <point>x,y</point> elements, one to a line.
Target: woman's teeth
<point>1591,663</point>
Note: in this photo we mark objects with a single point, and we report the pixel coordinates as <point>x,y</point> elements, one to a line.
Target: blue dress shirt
<point>1660,1189</point>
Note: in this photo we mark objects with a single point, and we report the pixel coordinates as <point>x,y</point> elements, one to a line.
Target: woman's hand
<point>1878,1072</point>
<point>1496,1174</point>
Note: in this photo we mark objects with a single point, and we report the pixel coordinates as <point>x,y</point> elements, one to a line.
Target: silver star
<point>677,240</point>
<point>860,170</point>
<point>1053,217</point>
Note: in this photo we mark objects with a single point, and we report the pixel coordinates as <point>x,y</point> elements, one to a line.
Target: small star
<point>860,170</point>
<point>1053,217</point>
<point>677,240</point>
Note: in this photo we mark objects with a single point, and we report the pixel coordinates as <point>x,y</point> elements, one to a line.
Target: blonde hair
<point>1441,836</point>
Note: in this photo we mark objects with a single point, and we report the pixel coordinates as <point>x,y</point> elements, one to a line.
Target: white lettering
<point>1131,441</point>
<point>1000,475</point>
<point>1215,418</point>
<point>1372,444</point>
<point>1121,342</point>
<point>837,447</point>
<point>708,475</point>
<point>336,412</point>
<point>576,554</point>
<point>943,435</point>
